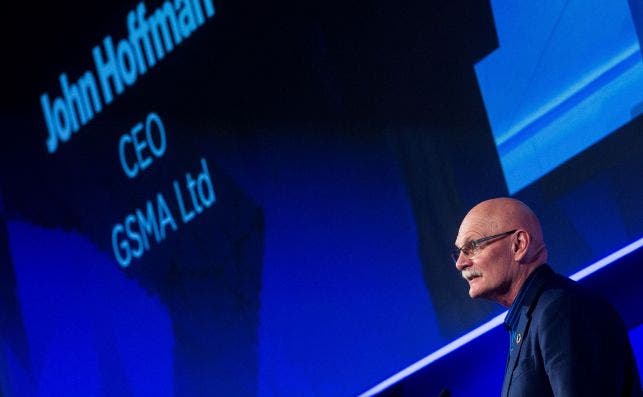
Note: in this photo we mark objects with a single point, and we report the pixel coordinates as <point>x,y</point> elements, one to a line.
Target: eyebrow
<point>463,244</point>
<point>467,240</point>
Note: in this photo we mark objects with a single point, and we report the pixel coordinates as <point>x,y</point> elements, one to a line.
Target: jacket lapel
<point>515,348</point>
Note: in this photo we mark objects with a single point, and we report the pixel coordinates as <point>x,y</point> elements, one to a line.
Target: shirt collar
<point>527,295</point>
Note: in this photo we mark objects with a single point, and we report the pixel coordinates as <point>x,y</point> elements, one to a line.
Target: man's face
<point>489,270</point>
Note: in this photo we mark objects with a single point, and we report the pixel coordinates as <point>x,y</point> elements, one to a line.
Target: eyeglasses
<point>470,248</point>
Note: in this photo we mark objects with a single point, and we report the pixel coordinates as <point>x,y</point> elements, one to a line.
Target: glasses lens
<point>468,249</point>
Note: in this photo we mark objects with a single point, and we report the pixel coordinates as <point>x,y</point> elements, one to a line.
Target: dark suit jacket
<point>567,341</point>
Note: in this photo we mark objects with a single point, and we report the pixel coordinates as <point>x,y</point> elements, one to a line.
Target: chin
<point>478,292</point>
<point>475,290</point>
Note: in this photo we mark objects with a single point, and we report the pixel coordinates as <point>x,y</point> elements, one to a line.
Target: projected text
<point>191,195</point>
<point>118,66</point>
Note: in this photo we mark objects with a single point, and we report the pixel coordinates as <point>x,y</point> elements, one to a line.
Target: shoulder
<point>574,332</point>
<point>564,293</point>
<point>563,301</point>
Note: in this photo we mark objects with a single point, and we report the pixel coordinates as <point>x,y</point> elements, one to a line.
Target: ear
<point>520,245</point>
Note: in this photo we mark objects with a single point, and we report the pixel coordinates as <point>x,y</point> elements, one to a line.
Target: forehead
<point>474,227</point>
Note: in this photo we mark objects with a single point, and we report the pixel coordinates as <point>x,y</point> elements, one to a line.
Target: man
<point>565,341</point>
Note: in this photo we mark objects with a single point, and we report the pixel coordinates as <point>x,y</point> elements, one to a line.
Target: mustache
<point>468,274</point>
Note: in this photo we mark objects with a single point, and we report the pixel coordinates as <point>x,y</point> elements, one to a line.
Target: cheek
<point>490,278</point>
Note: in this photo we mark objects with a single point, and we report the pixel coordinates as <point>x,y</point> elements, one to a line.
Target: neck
<point>508,299</point>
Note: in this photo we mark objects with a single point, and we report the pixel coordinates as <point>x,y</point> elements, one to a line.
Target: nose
<point>463,262</point>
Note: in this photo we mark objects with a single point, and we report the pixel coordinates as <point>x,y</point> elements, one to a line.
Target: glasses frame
<point>470,248</point>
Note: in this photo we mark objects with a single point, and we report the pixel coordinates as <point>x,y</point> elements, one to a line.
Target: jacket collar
<point>519,317</point>
<point>527,295</point>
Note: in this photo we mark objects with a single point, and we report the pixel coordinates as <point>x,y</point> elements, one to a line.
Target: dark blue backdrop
<point>344,143</point>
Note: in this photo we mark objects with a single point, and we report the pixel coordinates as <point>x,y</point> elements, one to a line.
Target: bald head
<point>511,248</point>
<point>504,213</point>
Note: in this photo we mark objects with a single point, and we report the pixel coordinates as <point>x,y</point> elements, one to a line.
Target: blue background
<point>346,142</point>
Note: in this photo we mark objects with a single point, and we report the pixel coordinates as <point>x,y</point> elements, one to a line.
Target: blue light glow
<point>493,323</point>
<point>566,75</point>
<point>441,352</point>
<point>607,260</point>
